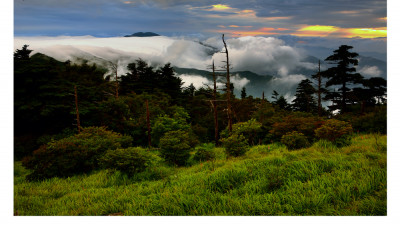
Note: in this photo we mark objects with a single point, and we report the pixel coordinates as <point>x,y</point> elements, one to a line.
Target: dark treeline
<point>45,104</point>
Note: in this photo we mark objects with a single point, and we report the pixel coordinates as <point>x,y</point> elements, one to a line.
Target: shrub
<point>75,154</point>
<point>249,129</point>
<point>166,123</point>
<point>296,122</point>
<point>204,152</point>
<point>175,147</point>
<point>235,145</point>
<point>373,122</point>
<point>336,131</point>
<point>295,140</point>
<point>128,160</point>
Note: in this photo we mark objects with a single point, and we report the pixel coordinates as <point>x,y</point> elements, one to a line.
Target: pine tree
<point>243,94</point>
<point>305,100</point>
<point>342,74</point>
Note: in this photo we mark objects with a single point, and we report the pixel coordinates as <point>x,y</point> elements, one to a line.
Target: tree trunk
<point>343,97</point>
<point>228,87</point>
<point>215,105</point>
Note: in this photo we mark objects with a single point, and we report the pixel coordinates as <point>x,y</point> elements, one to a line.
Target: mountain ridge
<point>142,34</point>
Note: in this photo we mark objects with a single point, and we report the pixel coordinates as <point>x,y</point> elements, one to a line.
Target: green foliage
<point>75,154</point>
<point>128,160</point>
<point>295,140</point>
<point>235,145</point>
<point>249,129</point>
<point>165,123</point>
<point>205,152</point>
<point>175,147</point>
<point>335,131</point>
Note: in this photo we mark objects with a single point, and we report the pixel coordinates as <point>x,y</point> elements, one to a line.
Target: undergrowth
<point>268,180</point>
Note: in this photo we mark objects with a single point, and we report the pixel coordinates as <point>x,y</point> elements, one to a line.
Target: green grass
<point>268,180</point>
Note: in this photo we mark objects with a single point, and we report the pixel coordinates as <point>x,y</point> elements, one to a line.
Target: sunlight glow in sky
<point>110,18</point>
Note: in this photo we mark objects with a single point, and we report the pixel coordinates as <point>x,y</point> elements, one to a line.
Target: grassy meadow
<point>267,180</point>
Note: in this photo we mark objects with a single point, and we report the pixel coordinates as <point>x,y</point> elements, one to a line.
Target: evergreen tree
<point>342,74</point>
<point>275,96</point>
<point>243,94</point>
<point>282,103</point>
<point>22,54</point>
<point>305,100</point>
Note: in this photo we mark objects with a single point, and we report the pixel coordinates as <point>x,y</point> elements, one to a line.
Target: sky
<point>202,18</point>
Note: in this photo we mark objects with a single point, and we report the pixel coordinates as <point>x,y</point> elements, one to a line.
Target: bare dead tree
<point>215,103</point>
<point>114,68</point>
<point>78,123</point>
<point>214,100</point>
<point>320,90</point>
<point>228,86</point>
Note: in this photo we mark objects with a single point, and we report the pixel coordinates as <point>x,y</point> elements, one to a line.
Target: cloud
<point>261,55</point>
<point>265,56</point>
<point>370,71</point>
<point>197,80</point>
<point>239,82</point>
<point>285,86</point>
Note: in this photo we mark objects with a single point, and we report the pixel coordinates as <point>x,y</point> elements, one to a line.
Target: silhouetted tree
<point>304,100</point>
<point>243,94</point>
<point>343,73</point>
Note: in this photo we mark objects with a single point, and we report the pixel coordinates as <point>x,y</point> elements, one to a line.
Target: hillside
<point>268,180</point>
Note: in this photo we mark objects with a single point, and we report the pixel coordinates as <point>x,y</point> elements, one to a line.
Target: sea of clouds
<point>261,55</point>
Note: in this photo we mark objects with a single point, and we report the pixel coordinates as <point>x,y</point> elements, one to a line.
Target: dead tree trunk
<point>228,87</point>
<point>115,70</point>
<point>215,104</point>
<point>148,123</point>
<point>78,123</point>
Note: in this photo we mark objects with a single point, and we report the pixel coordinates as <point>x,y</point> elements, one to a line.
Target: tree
<point>22,54</point>
<point>243,94</point>
<point>228,86</point>
<point>275,95</point>
<point>304,100</point>
<point>280,101</point>
<point>320,90</point>
<point>343,73</point>
<point>372,94</point>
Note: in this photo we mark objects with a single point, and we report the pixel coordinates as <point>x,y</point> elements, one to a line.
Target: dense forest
<point>55,100</point>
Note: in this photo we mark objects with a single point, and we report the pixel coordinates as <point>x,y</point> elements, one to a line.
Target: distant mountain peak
<point>142,34</point>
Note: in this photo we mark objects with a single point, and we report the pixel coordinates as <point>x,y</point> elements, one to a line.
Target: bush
<point>249,129</point>
<point>166,123</point>
<point>175,147</point>
<point>128,160</point>
<point>373,122</point>
<point>336,131</point>
<point>295,140</point>
<point>204,152</point>
<point>75,154</point>
<point>296,122</point>
<point>235,145</point>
